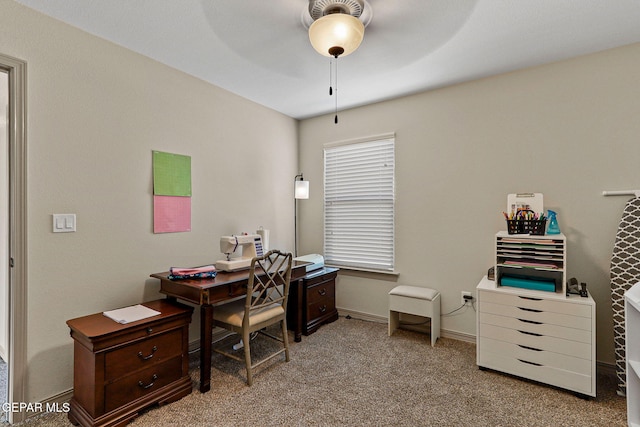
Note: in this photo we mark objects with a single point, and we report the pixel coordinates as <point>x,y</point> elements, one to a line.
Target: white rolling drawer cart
<point>632,352</point>
<point>540,335</point>
<point>549,340</point>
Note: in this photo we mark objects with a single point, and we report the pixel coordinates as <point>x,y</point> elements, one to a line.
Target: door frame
<point>17,261</point>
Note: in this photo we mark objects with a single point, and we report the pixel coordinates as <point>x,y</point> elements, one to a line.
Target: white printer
<point>316,261</point>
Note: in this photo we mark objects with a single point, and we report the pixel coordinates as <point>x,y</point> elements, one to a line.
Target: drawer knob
<point>322,291</point>
<point>153,350</point>
<point>149,330</point>
<point>146,386</point>
<point>323,309</point>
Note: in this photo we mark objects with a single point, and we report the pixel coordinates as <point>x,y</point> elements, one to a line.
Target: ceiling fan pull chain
<point>330,77</point>
<point>335,120</point>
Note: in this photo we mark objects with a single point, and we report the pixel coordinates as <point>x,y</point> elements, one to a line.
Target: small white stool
<point>418,301</point>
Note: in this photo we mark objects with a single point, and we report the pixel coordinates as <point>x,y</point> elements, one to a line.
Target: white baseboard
<point>608,369</point>
<point>4,354</point>
<point>444,333</point>
<point>602,368</point>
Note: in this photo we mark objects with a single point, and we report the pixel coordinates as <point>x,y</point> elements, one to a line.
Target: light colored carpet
<point>351,373</point>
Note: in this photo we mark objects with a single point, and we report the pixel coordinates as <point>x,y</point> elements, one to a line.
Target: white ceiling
<point>259,49</point>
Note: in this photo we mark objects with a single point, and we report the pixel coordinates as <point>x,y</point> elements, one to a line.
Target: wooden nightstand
<point>122,369</point>
<point>312,302</point>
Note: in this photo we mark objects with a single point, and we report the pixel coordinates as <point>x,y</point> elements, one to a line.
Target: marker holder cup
<point>519,225</point>
<point>534,227</point>
<point>514,226</point>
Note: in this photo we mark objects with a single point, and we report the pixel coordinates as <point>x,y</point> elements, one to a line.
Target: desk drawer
<point>142,354</point>
<point>142,382</point>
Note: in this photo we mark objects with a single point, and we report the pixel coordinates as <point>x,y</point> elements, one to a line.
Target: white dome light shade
<point>336,34</point>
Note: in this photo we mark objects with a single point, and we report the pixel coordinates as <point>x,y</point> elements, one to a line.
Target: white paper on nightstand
<point>131,314</point>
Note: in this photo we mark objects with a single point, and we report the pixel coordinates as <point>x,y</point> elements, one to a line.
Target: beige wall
<point>95,113</point>
<point>568,130</point>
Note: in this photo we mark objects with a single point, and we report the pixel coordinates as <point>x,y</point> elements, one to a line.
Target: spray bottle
<point>553,228</point>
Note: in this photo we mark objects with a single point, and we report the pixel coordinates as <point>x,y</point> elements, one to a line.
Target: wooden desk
<point>210,292</point>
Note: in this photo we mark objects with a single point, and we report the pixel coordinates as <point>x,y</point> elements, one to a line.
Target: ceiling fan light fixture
<point>336,34</point>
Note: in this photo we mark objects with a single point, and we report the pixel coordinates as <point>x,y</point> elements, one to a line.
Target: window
<point>359,204</point>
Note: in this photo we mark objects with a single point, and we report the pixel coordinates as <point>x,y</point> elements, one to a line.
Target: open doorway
<point>13,232</point>
<point>4,235</point>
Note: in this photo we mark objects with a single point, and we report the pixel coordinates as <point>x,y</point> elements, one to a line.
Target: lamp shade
<point>301,190</point>
<point>336,30</point>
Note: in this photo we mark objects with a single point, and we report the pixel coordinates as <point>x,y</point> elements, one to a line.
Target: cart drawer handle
<point>529,333</point>
<point>530,363</point>
<point>531,321</point>
<point>530,298</point>
<point>529,348</point>
<point>530,309</point>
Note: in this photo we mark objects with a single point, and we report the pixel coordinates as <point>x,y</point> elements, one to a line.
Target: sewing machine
<point>250,246</point>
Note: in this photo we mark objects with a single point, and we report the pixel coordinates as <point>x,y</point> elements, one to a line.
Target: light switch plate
<point>64,223</point>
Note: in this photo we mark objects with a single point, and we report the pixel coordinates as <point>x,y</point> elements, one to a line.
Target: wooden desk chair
<point>265,305</point>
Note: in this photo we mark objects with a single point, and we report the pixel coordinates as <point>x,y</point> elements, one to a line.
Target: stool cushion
<point>414,292</point>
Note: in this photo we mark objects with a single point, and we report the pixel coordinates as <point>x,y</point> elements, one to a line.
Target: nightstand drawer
<point>321,308</point>
<point>141,383</point>
<point>321,292</point>
<point>324,275</point>
<point>142,354</point>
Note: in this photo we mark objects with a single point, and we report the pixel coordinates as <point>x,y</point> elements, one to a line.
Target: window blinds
<point>359,201</point>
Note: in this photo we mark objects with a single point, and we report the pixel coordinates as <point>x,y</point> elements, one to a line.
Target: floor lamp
<point>300,191</point>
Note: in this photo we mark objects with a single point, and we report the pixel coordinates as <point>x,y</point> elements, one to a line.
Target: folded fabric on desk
<point>203,272</point>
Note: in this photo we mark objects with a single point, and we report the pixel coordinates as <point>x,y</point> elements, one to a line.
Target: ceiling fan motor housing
<point>320,8</point>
